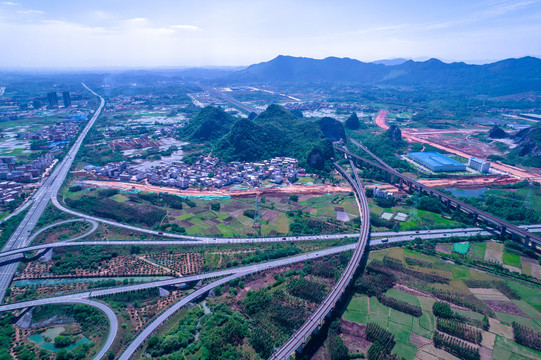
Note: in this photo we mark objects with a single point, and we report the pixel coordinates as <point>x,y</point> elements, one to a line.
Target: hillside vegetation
<point>274,132</point>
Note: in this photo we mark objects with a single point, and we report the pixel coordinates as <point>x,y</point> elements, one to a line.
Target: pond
<point>51,333</point>
<point>467,192</point>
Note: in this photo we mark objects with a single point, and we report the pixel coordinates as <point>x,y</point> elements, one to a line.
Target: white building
<point>479,165</point>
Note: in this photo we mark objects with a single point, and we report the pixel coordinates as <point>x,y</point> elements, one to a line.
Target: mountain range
<point>502,77</point>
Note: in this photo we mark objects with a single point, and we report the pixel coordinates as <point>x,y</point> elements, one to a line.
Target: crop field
<point>422,280</point>
<point>234,217</point>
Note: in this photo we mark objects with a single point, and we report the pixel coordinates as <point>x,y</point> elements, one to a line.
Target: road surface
<point>390,236</point>
<point>40,199</point>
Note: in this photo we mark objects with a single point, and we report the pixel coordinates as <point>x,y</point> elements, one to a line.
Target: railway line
<point>502,225</point>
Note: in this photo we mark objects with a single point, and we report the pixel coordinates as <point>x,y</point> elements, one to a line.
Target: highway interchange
<point>20,239</point>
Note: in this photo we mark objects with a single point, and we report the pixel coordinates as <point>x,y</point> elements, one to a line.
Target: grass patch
<point>424,326</point>
<point>405,350</point>
<point>508,318</point>
<point>505,349</point>
<point>402,296</point>
<point>511,259</point>
<point>477,250</point>
<point>377,307</point>
<point>398,317</point>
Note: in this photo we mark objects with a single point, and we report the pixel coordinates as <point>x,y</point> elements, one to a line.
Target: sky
<point>176,33</point>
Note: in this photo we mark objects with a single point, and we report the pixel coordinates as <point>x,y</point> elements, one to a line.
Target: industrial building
<point>479,165</point>
<point>436,161</point>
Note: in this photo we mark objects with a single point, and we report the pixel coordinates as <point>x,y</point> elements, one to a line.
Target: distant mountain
<point>209,124</point>
<point>295,69</point>
<point>390,62</point>
<point>499,78</point>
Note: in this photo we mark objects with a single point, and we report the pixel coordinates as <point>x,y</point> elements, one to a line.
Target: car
<point>384,240</point>
<point>160,233</point>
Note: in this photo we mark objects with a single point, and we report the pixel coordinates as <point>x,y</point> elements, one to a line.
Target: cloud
<point>504,7</point>
<point>10,3</point>
<point>186,27</point>
<point>137,21</point>
<point>30,12</point>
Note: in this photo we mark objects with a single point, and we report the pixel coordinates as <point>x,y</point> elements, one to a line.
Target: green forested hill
<point>209,124</point>
<point>276,132</point>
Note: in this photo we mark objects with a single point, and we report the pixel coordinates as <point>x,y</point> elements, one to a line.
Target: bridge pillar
<point>392,179</point>
<point>299,349</point>
<point>475,217</point>
<point>502,232</point>
<point>448,206</point>
<point>400,184</point>
<point>458,207</point>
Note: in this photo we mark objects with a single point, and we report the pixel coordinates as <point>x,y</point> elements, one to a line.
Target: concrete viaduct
<point>394,177</point>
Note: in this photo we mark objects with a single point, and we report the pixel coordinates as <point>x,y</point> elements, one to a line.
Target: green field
<point>511,259</point>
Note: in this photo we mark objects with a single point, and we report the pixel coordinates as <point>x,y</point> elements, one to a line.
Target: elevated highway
<point>316,318</point>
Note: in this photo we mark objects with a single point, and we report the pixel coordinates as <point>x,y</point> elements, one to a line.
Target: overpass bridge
<point>297,340</point>
<point>393,176</point>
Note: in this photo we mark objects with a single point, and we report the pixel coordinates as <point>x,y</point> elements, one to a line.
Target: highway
<point>325,308</point>
<point>150,328</point>
<point>186,279</point>
<point>40,199</point>
<point>513,229</point>
<point>390,236</point>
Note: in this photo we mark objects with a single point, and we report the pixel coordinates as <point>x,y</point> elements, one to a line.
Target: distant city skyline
<point>168,33</point>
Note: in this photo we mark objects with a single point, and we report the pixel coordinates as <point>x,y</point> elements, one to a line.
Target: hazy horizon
<point>209,33</point>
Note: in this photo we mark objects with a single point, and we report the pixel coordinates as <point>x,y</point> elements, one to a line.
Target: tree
<point>353,121</point>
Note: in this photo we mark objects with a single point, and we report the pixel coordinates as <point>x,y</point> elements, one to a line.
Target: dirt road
<point>277,190</point>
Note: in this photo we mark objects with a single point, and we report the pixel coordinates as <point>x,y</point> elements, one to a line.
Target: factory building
<point>436,161</point>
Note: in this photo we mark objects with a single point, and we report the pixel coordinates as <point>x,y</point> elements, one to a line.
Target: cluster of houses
<point>206,172</point>
<point>9,170</point>
<point>58,132</point>
<point>9,190</point>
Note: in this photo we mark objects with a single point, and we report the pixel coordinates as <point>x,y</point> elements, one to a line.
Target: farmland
<point>224,217</point>
<point>480,303</point>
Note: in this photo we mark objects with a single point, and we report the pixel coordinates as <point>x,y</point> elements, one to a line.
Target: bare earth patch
<point>500,329</point>
<point>505,307</point>
<point>353,335</point>
<point>489,294</point>
<point>486,354</point>
<point>418,340</point>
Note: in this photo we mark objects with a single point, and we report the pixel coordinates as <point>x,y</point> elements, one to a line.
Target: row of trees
<point>527,337</point>
<point>382,343</point>
<point>401,306</point>
<point>455,328</point>
<point>456,347</point>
